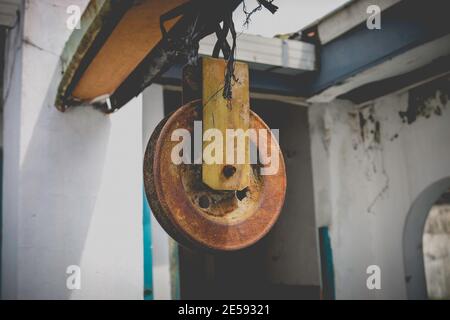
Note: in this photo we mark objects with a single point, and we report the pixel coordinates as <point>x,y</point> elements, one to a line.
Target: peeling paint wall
<point>369,165</point>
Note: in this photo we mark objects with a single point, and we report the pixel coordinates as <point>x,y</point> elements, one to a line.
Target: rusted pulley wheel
<point>197,216</point>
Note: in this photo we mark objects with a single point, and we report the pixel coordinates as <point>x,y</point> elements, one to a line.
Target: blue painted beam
<point>404,26</point>
<point>260,81</point>
<point>376,89</point>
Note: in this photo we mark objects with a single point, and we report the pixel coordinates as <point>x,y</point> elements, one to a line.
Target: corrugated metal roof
<point>269,54</point>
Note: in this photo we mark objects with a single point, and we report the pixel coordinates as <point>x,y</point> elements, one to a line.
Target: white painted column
<point>73,182</point>
<point>152,114</point>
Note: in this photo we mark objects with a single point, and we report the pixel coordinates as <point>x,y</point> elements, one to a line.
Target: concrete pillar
<point>73,181</point>
<point>152,114</point>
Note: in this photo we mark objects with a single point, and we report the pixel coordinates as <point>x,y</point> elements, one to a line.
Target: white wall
<point>364,188</point>
<point>152,114</point>
<point>73,181</point>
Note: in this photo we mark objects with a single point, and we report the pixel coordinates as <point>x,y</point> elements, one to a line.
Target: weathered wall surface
<point>369,164</point>
<point>436,250</point>
<point>152,114</point>
<point>73,181</point>
<point>293,247</point>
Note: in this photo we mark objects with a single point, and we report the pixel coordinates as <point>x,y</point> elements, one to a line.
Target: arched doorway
<point>415,277</point>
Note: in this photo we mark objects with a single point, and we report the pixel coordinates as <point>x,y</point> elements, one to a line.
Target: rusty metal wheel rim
<point>174,193</point>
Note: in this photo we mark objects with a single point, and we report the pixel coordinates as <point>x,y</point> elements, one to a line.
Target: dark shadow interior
<point>278,266</point>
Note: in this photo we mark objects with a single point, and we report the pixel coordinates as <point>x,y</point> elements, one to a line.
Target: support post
<point>229,117</point>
